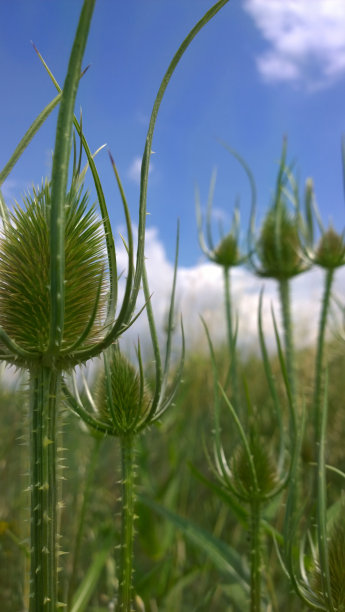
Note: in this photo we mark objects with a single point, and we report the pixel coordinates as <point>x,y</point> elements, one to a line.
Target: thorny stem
<point>43,568</point>
<point>231,339</point>
<point>284,291</point>
<point>255,558</point>
<point>127,527</point>
<point>320,348</point>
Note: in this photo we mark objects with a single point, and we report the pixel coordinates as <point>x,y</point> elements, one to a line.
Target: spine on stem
<point>255,558</point>
<point>43,567</point>
<point>231,339</point>
<point>284,291</point>
<point>125,593</point>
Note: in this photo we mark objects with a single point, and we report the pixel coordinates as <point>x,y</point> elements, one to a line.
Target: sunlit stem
<point>320,348</point>
<point>127,527</point>
<point>255,557</point>
<point>231,339</point>
<point>284,291</point>
<point>43,562</point>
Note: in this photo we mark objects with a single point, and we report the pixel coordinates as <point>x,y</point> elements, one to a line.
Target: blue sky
<point>261,69</point>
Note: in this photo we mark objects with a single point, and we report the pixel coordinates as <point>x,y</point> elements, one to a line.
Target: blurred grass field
<point>171,573</point>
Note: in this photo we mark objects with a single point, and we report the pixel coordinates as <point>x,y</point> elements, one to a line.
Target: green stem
<point>43,565</point>
<point>255,558</point>
<point>320,349</point>
<point>127,530</point>
<point>322,508</point>
<point>284,291</point>
<point>231,339</point>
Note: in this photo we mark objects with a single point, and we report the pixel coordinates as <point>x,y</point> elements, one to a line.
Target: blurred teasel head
<point>227,252</point>
<point>278,250</point>
<point>264,479</point>
<point>329,250</point>
<point>336,569</point>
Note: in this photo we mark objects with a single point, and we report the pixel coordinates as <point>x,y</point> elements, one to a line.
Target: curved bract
<point>122,403</point>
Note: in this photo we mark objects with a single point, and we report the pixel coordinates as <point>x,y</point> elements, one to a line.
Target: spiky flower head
<point>123,398</point>
<point>265,472</point>
<point>336,561</point>
<point>25,274</point>
<point>330,252</point>
<point>278,247</point>
<point>227,253</point>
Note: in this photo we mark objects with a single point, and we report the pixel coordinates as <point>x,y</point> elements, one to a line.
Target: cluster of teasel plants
<point>58,309</point>
<point>249,473</point>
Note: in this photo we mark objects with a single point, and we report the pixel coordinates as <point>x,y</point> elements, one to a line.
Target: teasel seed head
<point>227,254</point>
<point>336,560</point>
<point>278,246</point>
<point>25,273</point>
<point>122,397</point>
<point>266,475</point>
<point>330,252</point>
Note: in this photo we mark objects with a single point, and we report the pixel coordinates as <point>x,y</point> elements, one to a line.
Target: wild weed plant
<point>59,309</point>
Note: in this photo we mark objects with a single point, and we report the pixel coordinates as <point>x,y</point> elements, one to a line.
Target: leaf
<point>224,557</point>
<point>88,585</point>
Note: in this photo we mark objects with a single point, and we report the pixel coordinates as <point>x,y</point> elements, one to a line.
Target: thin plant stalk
<point>284,293</point>
<point>322,509</point>
<point>329,277</point>
<point>125,593</point>
<point>231,338</point>
<point>255,556</point>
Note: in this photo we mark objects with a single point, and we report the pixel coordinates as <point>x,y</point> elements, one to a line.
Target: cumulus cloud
<point>200,293</point>
<point>306,40</point>
<point>11,189</point>
<point>135,169</point>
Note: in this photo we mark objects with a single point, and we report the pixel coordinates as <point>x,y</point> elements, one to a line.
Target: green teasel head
<point>122,398</point>
<point>336,565</point>
<point>278,252</point>
<point>122,403</point>
<point>278,247</point>
<point>227,252</point>
<point>266,478</point>
<point>329,251</point>
<point>25,275</point>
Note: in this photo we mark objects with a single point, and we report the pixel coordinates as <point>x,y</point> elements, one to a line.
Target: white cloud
<point>306,40</point>
<point>10,189</point>
<point>200,293</point>
<point>135,169</point>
